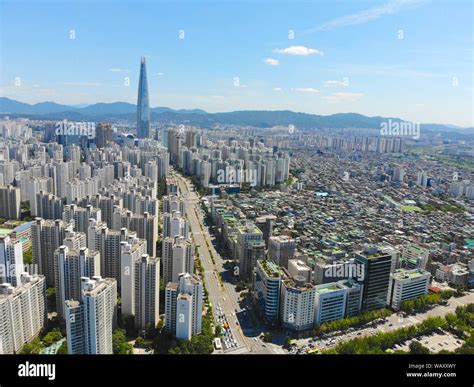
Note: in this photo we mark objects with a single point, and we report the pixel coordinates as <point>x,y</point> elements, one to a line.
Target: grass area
<point>457,161</point>
<point>445,207</point>
<point>411,208</point>
<point>436,152</point>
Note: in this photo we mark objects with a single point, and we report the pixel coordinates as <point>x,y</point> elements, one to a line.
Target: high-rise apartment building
<point>281,248</point>
<point>266,289</point>
<point>71,266</point>
<point>11,260</point>
<point>140,286</point>
<point>91,321</point>
<point>183,306</point>
<point>47,236</point>
<point>10,201</point>
<point>23,312</point>
<point>250,248</point>
<point>177,257</point>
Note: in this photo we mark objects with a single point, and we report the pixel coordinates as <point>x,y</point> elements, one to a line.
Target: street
<point>221,293</point>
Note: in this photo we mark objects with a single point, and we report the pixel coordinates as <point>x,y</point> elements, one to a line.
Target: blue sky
<point>406,58</point>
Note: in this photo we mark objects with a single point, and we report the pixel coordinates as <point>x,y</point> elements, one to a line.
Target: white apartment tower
<point>178,257</point>
<point>71,266</point>
<point>140,285</point>
<point>183,306</point>
<point>90,322</point>
<point>23,312</point>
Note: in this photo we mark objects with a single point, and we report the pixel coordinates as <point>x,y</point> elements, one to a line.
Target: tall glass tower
<point>143,104</point>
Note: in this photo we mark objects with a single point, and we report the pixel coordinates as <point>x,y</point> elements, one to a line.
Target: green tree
<point>52,336</point>
<point>119,342</point>
<point>28,256</point>
<point>417,348</point>
<point>63,348</point>
<point>33,347</point>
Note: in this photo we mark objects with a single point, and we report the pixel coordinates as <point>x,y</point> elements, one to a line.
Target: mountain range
<point>258,118</point>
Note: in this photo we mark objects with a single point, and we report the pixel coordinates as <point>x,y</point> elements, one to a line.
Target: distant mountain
<point>109,108</point>
<point>257,118</point>
<point>8,105</point>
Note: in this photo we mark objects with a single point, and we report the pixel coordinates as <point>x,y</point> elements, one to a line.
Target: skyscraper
<point>376,280</point>
<point>143,104</point>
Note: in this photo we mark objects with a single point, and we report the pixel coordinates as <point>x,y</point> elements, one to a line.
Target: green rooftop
<point>326,288</point>
<point>409,274</point>
<point>5,231</point>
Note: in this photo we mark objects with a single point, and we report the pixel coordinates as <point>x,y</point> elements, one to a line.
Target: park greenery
<point>199,344</point>
<point>45,339</point>
<point>445,207</point>
<point>427,301</point>
<point>460,324</point>
<point>416,348</point>
<point>120,344</point>
<point>351,322</point>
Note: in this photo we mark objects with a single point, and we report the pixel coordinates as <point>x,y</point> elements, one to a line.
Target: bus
<point>217,343</point>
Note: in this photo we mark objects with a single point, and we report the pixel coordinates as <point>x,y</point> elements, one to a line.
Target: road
<point>220,293</point>
<point>393,322</point>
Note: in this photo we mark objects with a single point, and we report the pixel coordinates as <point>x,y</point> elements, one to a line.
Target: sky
<point>411,59</point>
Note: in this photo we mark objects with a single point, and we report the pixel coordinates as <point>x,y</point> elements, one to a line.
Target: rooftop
<point>326,288</point>
<point>409,274</point>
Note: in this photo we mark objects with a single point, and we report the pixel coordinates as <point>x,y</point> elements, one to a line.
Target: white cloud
<point>118,70</point>
<point>366,15</point>
<point>277,89</point>
<point>160,74</point>
<point>343,97</point>
<point>310,90</point>
<point>299,51</point>
<point>82,84</point>
<point>272,62</point>
<point>333,83</point>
